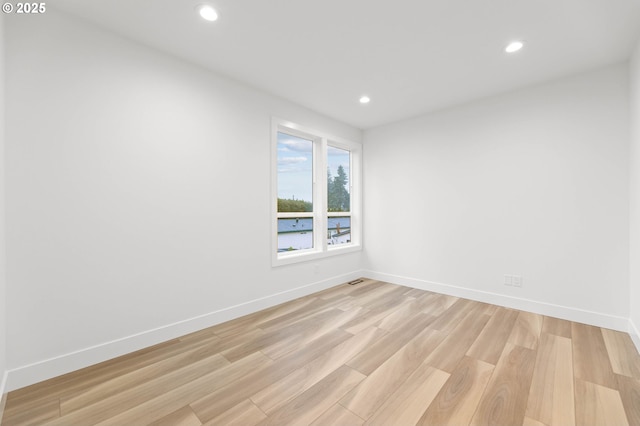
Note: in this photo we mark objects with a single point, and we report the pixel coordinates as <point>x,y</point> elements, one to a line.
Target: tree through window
<point>338,196</point>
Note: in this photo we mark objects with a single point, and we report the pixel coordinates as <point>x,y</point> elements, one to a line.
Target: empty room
<point>294,212</point>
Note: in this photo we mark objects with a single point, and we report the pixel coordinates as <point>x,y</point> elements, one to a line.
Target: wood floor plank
<point>415,292</point>
<point>375,355</point>
<point>449,319</point>
<point>143,375</point>
<point>244,414</point>
<point>407,404</point>
<point>214,371</point>
<point>348,304</point>
<point>490,343</point>
<point>440,304</point>
<point>339,416</point>
<point>308,326</point>
<point>426,299</point>
<point>322,299</point>
<point>164,404</point>
<point>200,335</point>
<point>412,307</point>
<point>458,399</point>
<point>527,329</point>
<point>556,326</point>
<point>251,321</point>
<point>490,309</point>
<point>598,405</point>
<point>224,398</point>
<point>590,356</point>
<point>505,399</point>
<point>181,417</point>
<point>369,395</point>
<point>369,296</point>
<point>232,340</point>
<point>622,353</point>
<point>454,347</point>
<point>630,394</point>
<point>316,307</point>
<point>342,290</point>
<point>92,406</point>
<point>531,422</point>
<point>338,321</point>
<point>31,408</point>
<point>292,339</point>
<point>78,381</point>
<point>397,292</point>
<point>274,396</point>
<point>551,397</point>
<point>36,414</point>
<point>374,314</point>
<point>312,403</point>
<point>399,316</point>
<point>361,291</point>
<point>383,296</point>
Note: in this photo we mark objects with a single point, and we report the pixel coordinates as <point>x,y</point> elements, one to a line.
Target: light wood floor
<point>373,353</point>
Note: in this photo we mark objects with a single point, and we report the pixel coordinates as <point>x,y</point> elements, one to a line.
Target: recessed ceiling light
<point>208,13</point>
<point>365,100</point>
<point>514,46</point>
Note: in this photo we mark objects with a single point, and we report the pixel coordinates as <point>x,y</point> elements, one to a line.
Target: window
<point>315,185</point>
<point>338,196</point>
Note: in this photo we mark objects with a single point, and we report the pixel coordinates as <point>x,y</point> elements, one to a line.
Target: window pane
<point>295,174</point>
<point>339,230</point>
<point>339,162</point>
<point>295,234</point>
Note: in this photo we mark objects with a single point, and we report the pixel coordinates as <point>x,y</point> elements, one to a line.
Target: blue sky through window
<point>295,166</point>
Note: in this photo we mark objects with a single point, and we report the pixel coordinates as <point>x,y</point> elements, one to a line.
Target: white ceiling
<point>409,56</point>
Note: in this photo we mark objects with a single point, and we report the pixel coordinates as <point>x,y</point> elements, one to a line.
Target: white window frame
<point>321,142</point>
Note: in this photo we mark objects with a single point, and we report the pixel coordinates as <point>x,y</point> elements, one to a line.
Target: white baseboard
<point>49,368</point>
<point>3,394</point>
<point>549,309</point>
<point>635,334</point>
<point>3,383</point>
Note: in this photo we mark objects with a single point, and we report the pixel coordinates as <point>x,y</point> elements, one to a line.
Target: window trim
<point>321,142</point>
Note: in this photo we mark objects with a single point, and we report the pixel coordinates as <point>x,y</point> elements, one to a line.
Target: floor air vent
<point>354,282</point>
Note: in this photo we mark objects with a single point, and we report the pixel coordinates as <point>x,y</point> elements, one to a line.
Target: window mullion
<point>321,182</point>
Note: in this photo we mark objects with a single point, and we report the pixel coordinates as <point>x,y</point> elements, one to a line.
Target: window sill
<point>308,255</point>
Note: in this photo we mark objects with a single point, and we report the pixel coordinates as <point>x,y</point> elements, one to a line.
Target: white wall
<point>137,197</point>
<point>532,183</point>
<point>3,275</point>
<point>635,196</point>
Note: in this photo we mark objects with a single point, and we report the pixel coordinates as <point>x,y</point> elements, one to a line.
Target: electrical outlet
<point>513,280</point>
<point>517,281</point>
